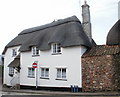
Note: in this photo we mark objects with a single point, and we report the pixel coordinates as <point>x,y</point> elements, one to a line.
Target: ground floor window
<point>44,73</point>
<point>61,73</point>
<point>31,72</point>
<point>11,71</point>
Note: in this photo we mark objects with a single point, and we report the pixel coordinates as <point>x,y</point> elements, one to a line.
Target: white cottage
<point>55,48</point>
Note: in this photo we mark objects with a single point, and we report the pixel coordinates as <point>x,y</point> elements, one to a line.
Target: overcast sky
<point>17,15</point>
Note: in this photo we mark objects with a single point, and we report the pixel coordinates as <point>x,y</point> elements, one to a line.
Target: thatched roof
<point>113,37</point>
<point>68,32</point>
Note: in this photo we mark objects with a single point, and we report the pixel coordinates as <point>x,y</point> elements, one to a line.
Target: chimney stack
<point>86,20</point>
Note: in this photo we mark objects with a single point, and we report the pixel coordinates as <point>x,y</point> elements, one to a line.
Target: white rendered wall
<point>7,60</point>
<point>70,58</point>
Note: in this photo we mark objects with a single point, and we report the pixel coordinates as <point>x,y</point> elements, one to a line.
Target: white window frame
<point>35,51</point>
<point>56,48</point>
<point>14,52</point>
<point>11,71</point>
<point>44,74</point>
<point>61,75</point>
<point>31,72</point>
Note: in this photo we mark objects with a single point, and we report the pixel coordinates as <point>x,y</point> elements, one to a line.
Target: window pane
<point>14,52</point>
<point>47,72</point>
<point>54,48</point>
<point>31,72</point>
<point>11,70</point>
<point>37,51</point>
<point>58,48</point>
<point>33,50</point>
<point>59,73</point>
<point>42,72</point>
<point>63,73</point>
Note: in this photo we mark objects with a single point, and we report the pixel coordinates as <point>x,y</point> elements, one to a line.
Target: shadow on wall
<point>1,74</point>
<point>116,75</point>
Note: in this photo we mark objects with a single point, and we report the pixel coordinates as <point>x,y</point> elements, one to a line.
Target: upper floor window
<point>14,52</point>
<point>56,48</point>
<point>35,51</point>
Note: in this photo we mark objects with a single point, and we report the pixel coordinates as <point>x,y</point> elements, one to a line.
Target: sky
<point>17,15</point>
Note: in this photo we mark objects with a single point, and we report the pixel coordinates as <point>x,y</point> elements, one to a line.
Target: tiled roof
<point>102,50</point>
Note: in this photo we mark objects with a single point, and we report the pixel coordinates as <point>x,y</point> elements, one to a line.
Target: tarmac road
<point>32,96</point>
<point>50,96</point>
<point>31,93</point>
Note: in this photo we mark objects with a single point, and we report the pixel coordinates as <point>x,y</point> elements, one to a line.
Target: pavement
<point>59,93</point>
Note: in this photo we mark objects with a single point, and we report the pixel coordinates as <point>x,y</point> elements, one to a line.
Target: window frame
<point>35,51</point>
<point>14,52</point>
<point>63,75</point>
<point>11,71</point>
<point>31,73</point>
<point>56,48</point>
<point>43,73</point>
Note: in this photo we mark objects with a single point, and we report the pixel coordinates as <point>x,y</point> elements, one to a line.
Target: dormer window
<point>35,51</point>
<point>14,52</point>
<point>56,48</point>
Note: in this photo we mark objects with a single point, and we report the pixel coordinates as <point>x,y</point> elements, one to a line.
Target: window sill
<point>44,78</point>
<point>61,79</point>
<point>31,77</point>
<point>56,53</point>
<point>35,55</point>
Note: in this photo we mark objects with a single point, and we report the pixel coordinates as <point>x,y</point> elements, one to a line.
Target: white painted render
<point>70,59</point>
<point>8,58</point>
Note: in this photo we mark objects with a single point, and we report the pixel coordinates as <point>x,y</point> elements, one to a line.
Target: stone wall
<point>116,75</point>
<point>101,73</point>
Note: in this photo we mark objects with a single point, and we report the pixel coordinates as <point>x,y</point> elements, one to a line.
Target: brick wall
<point>101,73</point>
